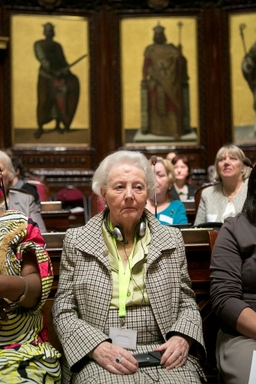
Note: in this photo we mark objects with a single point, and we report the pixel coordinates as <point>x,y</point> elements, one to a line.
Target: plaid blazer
<point>85,287</point>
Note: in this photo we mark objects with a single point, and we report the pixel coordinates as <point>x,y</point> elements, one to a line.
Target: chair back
<point>72,199</point>
<point>42,187</point>
<point>212,238</point>
<point>198,193</point>
<point>96,204</point>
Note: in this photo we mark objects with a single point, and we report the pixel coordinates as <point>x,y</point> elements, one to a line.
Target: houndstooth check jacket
<point>85,288</point>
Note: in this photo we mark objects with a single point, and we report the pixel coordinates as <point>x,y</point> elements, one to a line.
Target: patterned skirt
<point>148,338</point>
<point>30,364</point>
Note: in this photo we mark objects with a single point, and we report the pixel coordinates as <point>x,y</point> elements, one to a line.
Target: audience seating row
<point>82,207</point>
<point>199,244</point>
<point>72,196</point>
<point>88,206</point>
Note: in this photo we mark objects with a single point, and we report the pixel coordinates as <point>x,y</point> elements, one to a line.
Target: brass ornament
<point>158,4</point>
<point>49,4</point>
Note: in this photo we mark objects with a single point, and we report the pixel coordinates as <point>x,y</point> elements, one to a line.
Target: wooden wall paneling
<point>105,78</point>
<point>6,134</point>
<point>226,77</point>
<point>194,153</point>
<point>93,78</point>
<point>93,42</point>
<point>56,157</point>
<point>215,132</point>
<point>2,58</point>
<point>117,78</point>
<point>108,136</point>
<point>202,90</point>
<point>59,168</point>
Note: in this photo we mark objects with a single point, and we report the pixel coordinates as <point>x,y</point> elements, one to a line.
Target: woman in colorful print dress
<point>26,277</point>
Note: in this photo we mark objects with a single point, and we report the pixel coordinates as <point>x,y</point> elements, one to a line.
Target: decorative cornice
<point>131,5</point>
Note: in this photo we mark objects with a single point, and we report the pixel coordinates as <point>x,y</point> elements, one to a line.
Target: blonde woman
<point>226,198</point>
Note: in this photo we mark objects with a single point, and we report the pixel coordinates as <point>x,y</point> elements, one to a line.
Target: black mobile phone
<point>149,359</point>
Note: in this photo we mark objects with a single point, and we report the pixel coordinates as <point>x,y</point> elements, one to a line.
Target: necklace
<point>230,198</point>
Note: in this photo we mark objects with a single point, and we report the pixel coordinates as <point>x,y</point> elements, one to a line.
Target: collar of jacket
<point>161,237</point>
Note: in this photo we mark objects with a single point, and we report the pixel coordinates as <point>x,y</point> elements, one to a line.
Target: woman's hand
<point>175,352</point>
<point>115,359</point>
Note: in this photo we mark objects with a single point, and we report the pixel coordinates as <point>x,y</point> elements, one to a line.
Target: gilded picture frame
<point>136,34</point>
<point>71,35</point>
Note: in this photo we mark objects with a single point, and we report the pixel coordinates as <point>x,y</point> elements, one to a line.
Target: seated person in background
<point>26,278</point>
<point>168,211</point>
<point>124,277</point>
<point>227,197</point>
<point>16,199</point>
<point>233,291</point>
<point>182,189</point>
<point>19,181</point>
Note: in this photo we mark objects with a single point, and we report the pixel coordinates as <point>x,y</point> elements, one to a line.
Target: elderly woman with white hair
<point>16,199</point>
<point>226,198</point>
<point>124,288</point>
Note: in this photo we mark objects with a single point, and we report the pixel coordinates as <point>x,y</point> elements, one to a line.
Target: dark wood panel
<point>56,221</point>
<point>53,157</point>
<point>57,179</point>
<point>60,168</point>
<point>216,86</point>
<point>105,78</point>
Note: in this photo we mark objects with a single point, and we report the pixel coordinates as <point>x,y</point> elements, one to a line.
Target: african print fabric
<point>25,354</point>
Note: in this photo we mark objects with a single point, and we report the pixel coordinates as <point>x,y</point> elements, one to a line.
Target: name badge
<point>252,376</point>
<point>126,338</point>
<point>166,219</point>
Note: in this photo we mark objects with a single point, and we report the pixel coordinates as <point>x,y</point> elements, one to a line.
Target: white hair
<point>7,163</point>
<point>137,159</point>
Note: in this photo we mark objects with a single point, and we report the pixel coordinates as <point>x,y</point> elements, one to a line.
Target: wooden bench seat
<point>54,245</point>
<point>199,244</point>
<point>53,338</point>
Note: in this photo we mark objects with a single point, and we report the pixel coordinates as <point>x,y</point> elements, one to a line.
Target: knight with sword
<point>57,87</point>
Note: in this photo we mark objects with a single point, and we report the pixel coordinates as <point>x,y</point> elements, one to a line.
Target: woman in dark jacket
<point>182,189</point>
<point>233,291</point>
